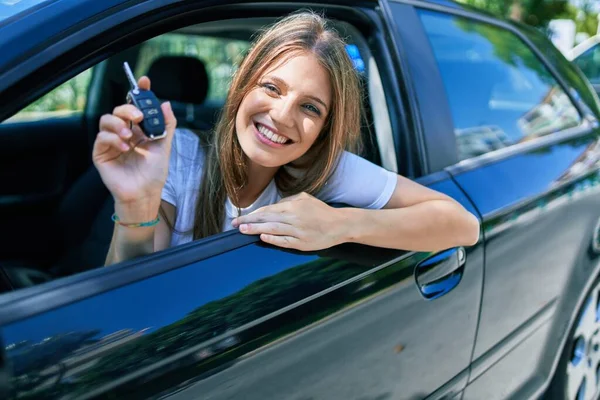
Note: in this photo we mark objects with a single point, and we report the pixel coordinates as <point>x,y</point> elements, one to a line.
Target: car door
<point>249,322</point>
<point>43,149</point>
<point>230,317</point>
<point>527,157</point>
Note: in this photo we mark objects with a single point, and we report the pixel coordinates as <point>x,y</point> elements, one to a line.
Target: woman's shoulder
<point>352,163</point>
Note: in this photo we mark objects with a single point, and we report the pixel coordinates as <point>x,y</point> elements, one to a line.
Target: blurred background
<point>567,22</point>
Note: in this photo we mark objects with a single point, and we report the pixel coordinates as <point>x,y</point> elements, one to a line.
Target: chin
<point>264,158</point>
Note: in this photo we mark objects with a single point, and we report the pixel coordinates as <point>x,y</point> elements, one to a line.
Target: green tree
<point>215,318</point>
<point>585,16</point>
<point>536,13</point>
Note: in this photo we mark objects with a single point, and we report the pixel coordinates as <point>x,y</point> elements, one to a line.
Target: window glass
<point>64,100</point>
<point>221,57</point>
<point>499,92</point>
<point>589,63</point>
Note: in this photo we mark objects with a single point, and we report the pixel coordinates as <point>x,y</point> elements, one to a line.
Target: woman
<point>276,156</point>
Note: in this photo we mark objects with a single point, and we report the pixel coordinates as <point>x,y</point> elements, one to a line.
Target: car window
<point>65,100</point>
<point>589,63</point>
<point>55,173</point>
<point>499,91</point>
<point>221,57</point>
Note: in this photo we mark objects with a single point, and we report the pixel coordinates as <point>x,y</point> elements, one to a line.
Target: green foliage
<point>499,8</point>
<point>70,96</point>
<point>536,13</point>
<point>508,48</point>
<point>220,56</point>
<point>586,19</point>
<point>215,318</point>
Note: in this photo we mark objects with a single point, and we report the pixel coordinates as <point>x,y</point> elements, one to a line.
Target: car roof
<point>41,26</point>
<point>27,23</point>
<point>14,10</point>
<point>33,26</point>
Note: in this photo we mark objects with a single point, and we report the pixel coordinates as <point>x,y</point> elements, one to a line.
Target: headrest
<point>179,78</point>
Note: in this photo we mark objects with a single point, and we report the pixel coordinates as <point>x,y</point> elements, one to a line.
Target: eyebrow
<point>283,83</point>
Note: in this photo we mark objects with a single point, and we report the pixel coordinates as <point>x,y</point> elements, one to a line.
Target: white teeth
<point>270,134</point>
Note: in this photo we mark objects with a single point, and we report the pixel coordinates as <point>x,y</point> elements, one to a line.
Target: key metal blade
<point>130,76</point>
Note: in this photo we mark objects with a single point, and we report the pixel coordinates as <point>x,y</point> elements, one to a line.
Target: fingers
<point>279,207</point>
<point>170,120</point>
<point>144,83</point>
<point>125,115</point>
<point>262,216</point>
<point>111,123</point>
<point>128,112</point>
<point>108,146</point>
<point>109,139</point>
<point>273,228</point>
<point>119,121</point>
<point>287,242</point>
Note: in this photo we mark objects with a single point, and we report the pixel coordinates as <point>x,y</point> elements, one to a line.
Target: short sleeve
<point>168,193</point>
<point>359,183</point>
<point>185,168</point>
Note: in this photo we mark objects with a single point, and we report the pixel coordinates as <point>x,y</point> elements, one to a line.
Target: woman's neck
<point>259,178</point>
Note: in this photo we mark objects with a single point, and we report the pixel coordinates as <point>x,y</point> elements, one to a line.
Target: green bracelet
<point>137,224</point>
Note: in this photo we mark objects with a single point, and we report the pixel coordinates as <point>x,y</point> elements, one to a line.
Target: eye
<point>269,87</point>
<point>313,109</point>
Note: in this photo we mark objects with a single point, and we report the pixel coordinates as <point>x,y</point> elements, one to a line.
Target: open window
<point>77,219</point>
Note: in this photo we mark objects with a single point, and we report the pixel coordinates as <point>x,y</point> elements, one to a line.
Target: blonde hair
<point>225,171</point>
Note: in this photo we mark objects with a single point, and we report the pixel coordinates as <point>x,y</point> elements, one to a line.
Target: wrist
<point>137,211</point>
<point>346,224</point>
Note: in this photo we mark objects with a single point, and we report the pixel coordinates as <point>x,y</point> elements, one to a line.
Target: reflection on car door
<point>251,322</point>
<point>529,164</point>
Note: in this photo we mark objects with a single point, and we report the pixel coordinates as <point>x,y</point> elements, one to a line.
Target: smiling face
<point>279,120</point>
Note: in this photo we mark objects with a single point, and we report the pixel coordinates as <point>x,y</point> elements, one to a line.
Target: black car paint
<point>277,350</point>
<point>339,323</point>
<point>536,240</point>
<point>530,291</point>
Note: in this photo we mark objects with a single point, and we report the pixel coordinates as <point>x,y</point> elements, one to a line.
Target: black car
<point>483,110</point>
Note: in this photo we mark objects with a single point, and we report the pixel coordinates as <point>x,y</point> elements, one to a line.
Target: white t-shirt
<point>355,182</point>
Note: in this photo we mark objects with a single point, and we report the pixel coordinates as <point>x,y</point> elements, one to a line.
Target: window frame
<point>25,302</point>
<point>452,164</point>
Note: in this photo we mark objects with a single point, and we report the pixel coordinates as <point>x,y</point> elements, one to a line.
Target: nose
<point>282,113</point>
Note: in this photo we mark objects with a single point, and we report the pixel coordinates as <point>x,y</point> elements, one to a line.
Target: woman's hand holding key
<point>133,168</point>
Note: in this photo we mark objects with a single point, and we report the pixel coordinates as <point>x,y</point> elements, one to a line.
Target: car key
<point>153,124</point>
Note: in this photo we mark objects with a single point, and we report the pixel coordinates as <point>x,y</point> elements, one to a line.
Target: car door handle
<point>440,273</point>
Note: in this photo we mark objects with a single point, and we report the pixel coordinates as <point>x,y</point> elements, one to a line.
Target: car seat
<point>183,81</point>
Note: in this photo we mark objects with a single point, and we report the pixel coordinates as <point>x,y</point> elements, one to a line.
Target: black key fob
<point>153,124</point>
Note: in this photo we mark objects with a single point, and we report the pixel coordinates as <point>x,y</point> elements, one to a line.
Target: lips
<point>268,134</point>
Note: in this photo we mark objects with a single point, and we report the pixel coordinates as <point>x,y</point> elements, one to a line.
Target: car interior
<point>55,210</point>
